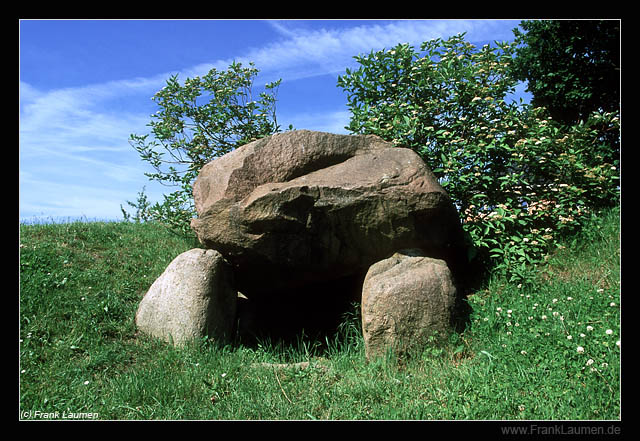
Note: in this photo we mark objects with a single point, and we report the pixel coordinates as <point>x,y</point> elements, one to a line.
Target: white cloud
<point>317,52</point>
<point>278,26</point>
<point>305,52</point>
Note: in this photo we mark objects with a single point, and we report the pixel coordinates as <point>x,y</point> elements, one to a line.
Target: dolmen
<point>302,224</point>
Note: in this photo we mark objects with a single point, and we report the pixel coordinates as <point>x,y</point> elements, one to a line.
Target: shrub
<point>199,120</point>
<point>519,180</point>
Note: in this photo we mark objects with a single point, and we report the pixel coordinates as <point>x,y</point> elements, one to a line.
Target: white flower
<point>618,343</point>
<point>608,332</point>
<point>86,382</point>
<point>580,349</point>
<point>589,362</point>
<point>589,328</point>
<point>569,337</point>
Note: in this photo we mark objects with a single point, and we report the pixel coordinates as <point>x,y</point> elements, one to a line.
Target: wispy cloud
<point>304,52</point>
<point>281,27</point>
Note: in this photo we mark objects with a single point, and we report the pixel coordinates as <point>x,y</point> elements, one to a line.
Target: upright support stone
<point>406,299</point>
<point>194,297</point>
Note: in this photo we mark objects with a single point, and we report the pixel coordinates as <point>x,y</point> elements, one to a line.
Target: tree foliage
<point>519,179</point>
<point>199,120</point>
<point>572,66</point>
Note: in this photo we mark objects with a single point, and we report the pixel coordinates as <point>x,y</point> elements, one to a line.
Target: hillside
<point>547,350</point>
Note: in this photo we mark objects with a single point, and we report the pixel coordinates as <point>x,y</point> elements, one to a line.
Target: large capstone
<point>303,207</point>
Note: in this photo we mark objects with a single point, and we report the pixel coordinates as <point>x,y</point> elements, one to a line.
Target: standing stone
<point>406,299</point>
<point>193,298</point>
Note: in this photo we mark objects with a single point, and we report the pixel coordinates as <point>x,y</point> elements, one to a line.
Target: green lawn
<point>547,351</point>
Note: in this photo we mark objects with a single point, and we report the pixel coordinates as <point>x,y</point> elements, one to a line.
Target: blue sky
<point>85,86</point>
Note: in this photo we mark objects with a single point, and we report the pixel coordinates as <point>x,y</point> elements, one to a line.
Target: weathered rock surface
<point>194,297</point>
<point>278,158</point>
<point>406,299</point>
<point>303,207</point>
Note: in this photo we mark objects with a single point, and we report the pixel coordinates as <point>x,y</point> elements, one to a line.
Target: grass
<point>545,351</point>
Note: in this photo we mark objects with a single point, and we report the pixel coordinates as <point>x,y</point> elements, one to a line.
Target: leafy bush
<point>519,180</point>
<point>199,120</point>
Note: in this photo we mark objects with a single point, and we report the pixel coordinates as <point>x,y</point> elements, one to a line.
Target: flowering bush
<point>519,180</point>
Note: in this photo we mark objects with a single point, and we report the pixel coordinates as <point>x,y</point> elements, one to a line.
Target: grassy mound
<point>548,350</point>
